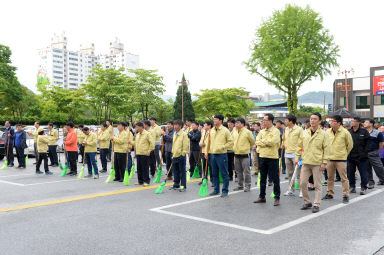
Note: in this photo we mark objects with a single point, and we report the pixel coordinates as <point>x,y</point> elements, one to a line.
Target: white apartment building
<point>70,69</point>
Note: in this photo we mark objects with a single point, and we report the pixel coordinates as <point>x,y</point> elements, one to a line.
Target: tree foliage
<point>229,102</point>
<point>290,48</point>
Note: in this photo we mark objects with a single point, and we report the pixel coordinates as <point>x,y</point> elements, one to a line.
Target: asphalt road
<point>63,215</point>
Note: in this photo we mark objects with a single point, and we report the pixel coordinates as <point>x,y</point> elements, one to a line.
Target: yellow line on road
<point>78,198</point>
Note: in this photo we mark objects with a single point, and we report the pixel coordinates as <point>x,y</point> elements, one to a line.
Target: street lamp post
<point>345,86</point>
<point>182,97</point>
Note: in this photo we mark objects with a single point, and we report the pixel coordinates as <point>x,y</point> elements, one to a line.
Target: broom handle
<point>113,152</point>
<point>208,145</point>
<point>162,149</point>
<point>8,144</point>
<point>170,168</point>
<point>281,154</point>
<point>129,136</point>
<point>84,155</point>
<point>97,137</point>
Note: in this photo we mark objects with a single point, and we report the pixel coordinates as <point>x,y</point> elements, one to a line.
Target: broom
<point>160,168</point>
<point>112,173</point>
<point>126,174</point>
<point>6,160</point>
<point>160,189</point>
<point>133,165</point>
<point>196,174</point>
<point>81,174</point>
<point>203,192</point>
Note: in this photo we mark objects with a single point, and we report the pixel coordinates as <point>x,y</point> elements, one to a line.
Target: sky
<point>206,40</point>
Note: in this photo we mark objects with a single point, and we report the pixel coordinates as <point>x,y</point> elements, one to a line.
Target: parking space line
<point>15,175</point>
<point>12,183</point>
<point>261,231</point>
<point>84,197</point>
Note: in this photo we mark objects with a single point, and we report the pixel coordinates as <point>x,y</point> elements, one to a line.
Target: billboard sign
<point>378,85</point>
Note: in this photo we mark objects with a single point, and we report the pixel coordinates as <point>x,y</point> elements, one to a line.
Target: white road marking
<point>14,175</point>
<point>260,231</point>
<point>12,183</point>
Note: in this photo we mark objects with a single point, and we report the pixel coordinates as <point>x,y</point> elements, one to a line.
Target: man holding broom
<point>220,142</point>
<point>90,150</point>
<point>180,148</point>
<point>168,139</point>
<point>35,134</point>
<point>144,144</point>
<point>53,136</point>
<point>71,148</point>
<point>243,142</point>
<point>203,144</point>
<point>120,141</point>
<point>156,131</point>
<point>152,156</point>
<point>104,139</point>
<point>268,144</point>
<point>194,155</point>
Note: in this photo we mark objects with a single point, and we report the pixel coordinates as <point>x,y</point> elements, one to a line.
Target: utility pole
<point>345,86</point>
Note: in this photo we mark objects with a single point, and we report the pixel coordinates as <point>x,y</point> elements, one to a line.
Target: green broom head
<point>196,174</point>
<point>297,185</point>
<point>158,176</point>
<point>272,195</point>
<point>220,177</point>
<point>126,178</point>
<point>208,174</point>
<point>132,171</point>
<point>61,166</point>
<point>26,160</point>
<point>322,182</point>
<point>203,192</point>
<point>188,175</point>
<point>111,176</point>
<point>258,180</point>
<point>63,172</point>
<point>81,174</point>
<point>159,190</point>
<point>5,164</point>
<point>93,171</point>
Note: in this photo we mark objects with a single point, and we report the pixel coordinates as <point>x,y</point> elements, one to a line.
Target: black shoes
<point>327,197</point>
<point>269,183</point>
<point>363,191</point>
<point>103,171</point>
<point>380,183</point>
<point>352,190</point>
<point>315,209</point>
<point>345,200</point>
<point>306,206</point>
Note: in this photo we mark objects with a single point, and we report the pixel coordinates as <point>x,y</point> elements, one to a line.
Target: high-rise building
<point>70,69</point>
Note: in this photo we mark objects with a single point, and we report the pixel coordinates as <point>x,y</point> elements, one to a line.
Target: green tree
<point>290,48</point>
<point>146,86</point>
<point>189,112</point>
<point>231,102</point>
<point>163,110</point>
<point>106,90</point>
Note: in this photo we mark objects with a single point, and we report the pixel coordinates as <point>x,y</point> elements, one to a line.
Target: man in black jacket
<point>9,134</point>
<point>20,145</point>
<point>168,140</point>
<point>358,157</point>
<point>194,155</point>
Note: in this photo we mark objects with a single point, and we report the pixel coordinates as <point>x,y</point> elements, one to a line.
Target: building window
<point>74,59</point>
<point>57,56</point>
<point>362,102</point>
<point>343,101</point>
<point>59,72</point>
<point>378,99</point>
<point>58,51</point>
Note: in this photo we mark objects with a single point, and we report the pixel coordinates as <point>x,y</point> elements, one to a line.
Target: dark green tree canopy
<point>290,48</point>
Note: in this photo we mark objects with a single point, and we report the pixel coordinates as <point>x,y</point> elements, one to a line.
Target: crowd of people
<point>221,151</point>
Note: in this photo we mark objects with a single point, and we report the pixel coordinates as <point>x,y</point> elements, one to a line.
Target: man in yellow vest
<point>144,144</point>
<point>220,141</point>
<point>243,142</point>
<point>292,136</point>
<point>152,157</point>
<point>341,144</point>
<point>156,130</point>
<point>129,146</point>
<point>104,138</point>
<point>180,148</point>
<point>52,145</point>
<point>90,150</point>
<point>120,142</point>
<point>314,151</point>
<point>111,133</point>
<point>268,144</point>
<point>35,134</point>
<point>42,148</point>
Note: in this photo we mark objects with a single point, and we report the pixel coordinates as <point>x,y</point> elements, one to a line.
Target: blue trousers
<point>91,162</point>
<point>103,158</point>
<point>179,172</point>
<point>219,162</point>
